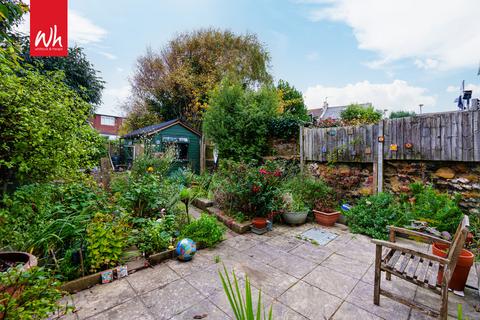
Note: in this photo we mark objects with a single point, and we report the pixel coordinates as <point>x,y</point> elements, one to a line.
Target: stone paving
<point>302,280</point>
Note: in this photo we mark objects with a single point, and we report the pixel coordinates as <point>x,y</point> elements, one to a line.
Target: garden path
<point>303,280</point>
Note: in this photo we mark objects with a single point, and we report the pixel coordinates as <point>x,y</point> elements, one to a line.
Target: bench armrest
<point>404,249</point>
<point>422,235</point>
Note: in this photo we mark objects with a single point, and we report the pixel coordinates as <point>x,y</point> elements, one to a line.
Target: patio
<point>303,280</point>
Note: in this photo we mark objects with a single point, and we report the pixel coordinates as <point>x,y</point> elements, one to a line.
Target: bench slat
<point>432,279</point>
<point>405,261</point>
<point>393,260</point>
<point>413,267</point>
<point>421,272</point>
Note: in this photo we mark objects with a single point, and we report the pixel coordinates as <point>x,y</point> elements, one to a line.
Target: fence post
<point>379,166</point>
<point>302,159</point>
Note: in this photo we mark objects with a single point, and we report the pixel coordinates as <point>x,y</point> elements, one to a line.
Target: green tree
<point>80,75</point>
<point>175,82</point>
<point>293,105</point>
<point>45,133</point>
<point>356,114</point>
<point>238,118</point>
<point>401,114</point>
<point>11,13</point>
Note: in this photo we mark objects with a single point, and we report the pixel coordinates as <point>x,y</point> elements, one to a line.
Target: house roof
<point>316,112</point>
<point>146,131</point>
<point>333,112</point>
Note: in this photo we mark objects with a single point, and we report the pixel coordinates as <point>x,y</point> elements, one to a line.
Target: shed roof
<point>146,131</point>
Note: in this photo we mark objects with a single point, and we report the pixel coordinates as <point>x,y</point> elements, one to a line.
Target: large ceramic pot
<point>12,258</point>
<point>462,269</point>
<point>326,217</point>
<point>295,217</point>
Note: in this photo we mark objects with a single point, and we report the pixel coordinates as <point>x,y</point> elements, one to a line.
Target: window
<point>182,151</point>
<point>107,121</point>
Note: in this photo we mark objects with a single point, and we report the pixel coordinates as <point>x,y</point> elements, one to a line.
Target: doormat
<point>317,236</point>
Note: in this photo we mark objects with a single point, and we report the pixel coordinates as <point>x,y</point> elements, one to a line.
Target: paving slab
<point>293,265</point>
<point>310,301</point>
<point>312,252</point>
<point>202,310</point>
<point>348,311</point>
<point>362,297</point>
<point>172,299</point>
<point>348,266</point>
<point>336,283</point>
<point>156,277</point>
<point>241,242</point>
<point>285,243</point>
<point>131,310</point>
<point>184,268</point>
<point>282,312</point>
<point>264,252</point>
<point>100,298</point>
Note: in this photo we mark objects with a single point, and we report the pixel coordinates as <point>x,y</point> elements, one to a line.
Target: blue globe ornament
<point>186,249</point>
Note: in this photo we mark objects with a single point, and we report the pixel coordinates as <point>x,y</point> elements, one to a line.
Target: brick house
<point>107,125</point>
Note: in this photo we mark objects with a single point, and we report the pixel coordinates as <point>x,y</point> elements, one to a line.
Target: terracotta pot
<point>326,217</point>
<point>462,269</point>
<point>259,223</point>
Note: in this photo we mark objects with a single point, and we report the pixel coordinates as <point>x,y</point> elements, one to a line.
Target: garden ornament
<point>186,249</point>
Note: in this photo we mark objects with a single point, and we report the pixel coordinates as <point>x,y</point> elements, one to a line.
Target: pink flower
<point>277,173</point>
<point>263,171</point>
<point>255,189</point>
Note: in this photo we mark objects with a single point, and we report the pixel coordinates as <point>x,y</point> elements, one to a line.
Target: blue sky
<point>395,54</point>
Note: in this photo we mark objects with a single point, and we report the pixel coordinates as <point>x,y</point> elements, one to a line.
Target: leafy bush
<point>106,239</point>
<point>155,235</point>
<point>401,114</point>
<point>237,120</point>
<point>204,230</point>
<point>145,195</point>
<point>309,190</point>
<point>372,215</point>
<point>356,114</point>
<point>438,209</point>
<point>28,294</point>
<point>286,128</point>
<point>49,220</point>
<point>150,163</point>
<point>248,189</point>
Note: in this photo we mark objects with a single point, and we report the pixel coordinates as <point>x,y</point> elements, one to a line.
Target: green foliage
<point>149,163</point>
<point>155,235</point>
<point>106,239</point>
<point>175,82</point>
<point>11,13</point>
<point>237,120</point>
<point>145,195</point>
<point>80,75</point>
<point>45,134</point>
<point>309,190</point>
<point>246,188</point>
<point>372,215</point>
<point>401,114</point>
<point>242,304</point>
<point>205,230</point>
<point>29,294</point>
<point>49,220</point>
<point>438,209</point>
<point>356,114</point>
<point>292,102</point>
<point>284,127</point>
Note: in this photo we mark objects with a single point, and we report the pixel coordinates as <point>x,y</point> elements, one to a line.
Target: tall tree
<point>175,82</point>
<point>292,101</point>
<point>80,75</point>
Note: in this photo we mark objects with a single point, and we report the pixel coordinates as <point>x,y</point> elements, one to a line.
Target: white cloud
<point>475,88</point>
<point>398,95</point>
<point>434,34</point>
<point>113,98</point>
<point>80,29</point>
<point>108,55</point>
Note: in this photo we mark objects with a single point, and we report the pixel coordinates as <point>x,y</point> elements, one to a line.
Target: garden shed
<point>157,137</point>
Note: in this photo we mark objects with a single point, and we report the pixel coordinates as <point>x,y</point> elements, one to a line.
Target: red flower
<point>255,189</point>
<point>263,171</point>
<point>277,173</point>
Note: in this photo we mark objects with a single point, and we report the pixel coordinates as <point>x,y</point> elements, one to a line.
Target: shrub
<point>401,114</point>
<point>205,231</point>
<point>285,127</point>
<point>106,239</point>
<point>309,190</point>
<point>246,188</point>
<point>155,235</point>
<point>37,294</point>
<point>372,215</point>
<point>238,118</point>
<point>150,163</point>
<point>49,220</point>
<point>438,209</point>
<point>356,114</point>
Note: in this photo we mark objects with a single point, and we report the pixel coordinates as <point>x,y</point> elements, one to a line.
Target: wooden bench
<point>417,267</point>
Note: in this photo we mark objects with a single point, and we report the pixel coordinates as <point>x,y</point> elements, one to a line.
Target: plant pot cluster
<point>462,269</point>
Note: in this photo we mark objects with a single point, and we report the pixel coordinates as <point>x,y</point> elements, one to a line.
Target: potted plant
<point>462,269</point>
<point>13,258</point>
<point>324,213</point>
<point>295,211</point>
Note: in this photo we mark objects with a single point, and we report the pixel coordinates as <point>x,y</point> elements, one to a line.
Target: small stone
<point>445,173</point>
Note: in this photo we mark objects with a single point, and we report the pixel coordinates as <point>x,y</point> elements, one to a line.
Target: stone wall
<point>353,180</point>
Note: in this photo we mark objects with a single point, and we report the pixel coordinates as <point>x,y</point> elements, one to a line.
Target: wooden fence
<point>448,136</point>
